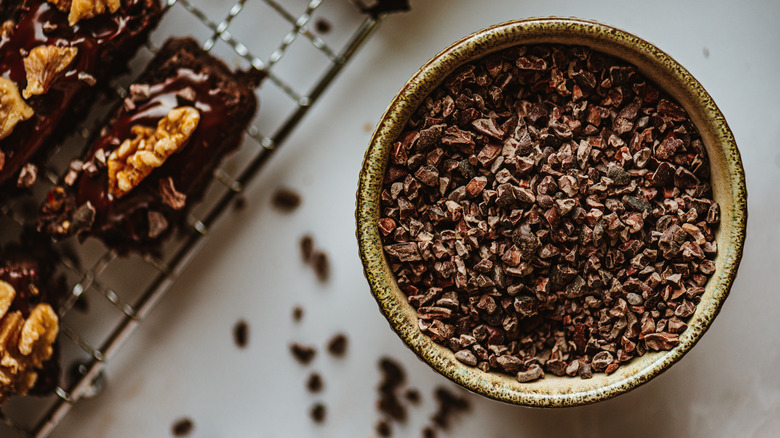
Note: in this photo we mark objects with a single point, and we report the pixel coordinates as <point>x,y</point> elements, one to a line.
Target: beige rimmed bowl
<point>727,178</point>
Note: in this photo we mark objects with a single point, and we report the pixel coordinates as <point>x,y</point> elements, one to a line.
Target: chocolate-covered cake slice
<point>29,296</point>
<point>156,155</point>
<point>54,55</point>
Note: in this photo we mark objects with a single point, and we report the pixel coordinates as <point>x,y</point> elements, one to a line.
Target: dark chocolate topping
<point>184,167</point>
<point>105,43</point>
<point>30,268</point>
<point>182,74</point>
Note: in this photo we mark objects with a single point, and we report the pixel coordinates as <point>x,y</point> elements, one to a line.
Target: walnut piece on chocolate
<point>136,157</point>
<point>24,344</point>
<point>81,9</point>
<point>39,333</point>
<point>43,64</point>
<point>7,295</point>
<point>12,108</point>
<point>7,28</point>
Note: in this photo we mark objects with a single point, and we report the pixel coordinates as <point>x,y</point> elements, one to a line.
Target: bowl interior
<point>727,178</point>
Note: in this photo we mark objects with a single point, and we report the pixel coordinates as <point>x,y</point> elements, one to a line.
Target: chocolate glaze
<point>226,103</point>
<point>30,267</point>
<point>105,43</point>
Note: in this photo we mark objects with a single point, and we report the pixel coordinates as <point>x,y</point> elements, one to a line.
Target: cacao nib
<point>548,210</point>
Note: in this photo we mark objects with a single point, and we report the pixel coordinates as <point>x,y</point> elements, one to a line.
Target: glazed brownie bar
<point>29,296</point>
<point>53,56</point>
<point>157,153</point>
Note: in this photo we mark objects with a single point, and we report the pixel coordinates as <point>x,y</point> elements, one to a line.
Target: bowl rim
<point>475,46</point>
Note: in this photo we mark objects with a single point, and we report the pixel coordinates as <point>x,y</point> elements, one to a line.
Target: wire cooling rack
<point>118,302</point>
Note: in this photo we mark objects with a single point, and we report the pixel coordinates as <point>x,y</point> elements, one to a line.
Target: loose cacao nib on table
<point>548,209</point>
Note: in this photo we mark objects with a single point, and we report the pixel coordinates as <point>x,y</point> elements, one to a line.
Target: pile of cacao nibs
<point>547,209</point>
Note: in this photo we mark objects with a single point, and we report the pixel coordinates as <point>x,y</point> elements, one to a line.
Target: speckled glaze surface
<point>728,181</point>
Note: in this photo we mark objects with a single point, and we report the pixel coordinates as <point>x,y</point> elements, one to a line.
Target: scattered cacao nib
<point>412,395</point>
<point>240,203</point>
<point>307,247</point>
<point>383,428</point>
<point>322,25</point>
<point>302,353</point>
<point>548,210</point>
<point>318,413</point>
<point>297,313</point>
<point>337,346</point>
<point>318,259</point>
<point>450,406</point>
<point>376,8</point>
<point>321,265</point>
<point>393,377</point>
<point>182,427</point>
<point>241,333</point>
<point>286,200</point>
<point>314,383</point>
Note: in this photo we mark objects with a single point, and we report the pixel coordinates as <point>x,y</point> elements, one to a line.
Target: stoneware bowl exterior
<point>728,182</point>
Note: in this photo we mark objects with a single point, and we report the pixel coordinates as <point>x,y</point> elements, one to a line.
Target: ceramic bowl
<point>727,178</point>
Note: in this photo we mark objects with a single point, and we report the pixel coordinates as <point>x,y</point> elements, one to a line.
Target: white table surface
<point>182,362</point>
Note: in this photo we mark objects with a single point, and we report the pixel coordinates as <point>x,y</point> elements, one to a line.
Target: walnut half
<point>24,344</point>
<point>7,295</point>
<point>148,149</point>
<point>79,9</point>
<point>12,108</point>
<point>43,64</point>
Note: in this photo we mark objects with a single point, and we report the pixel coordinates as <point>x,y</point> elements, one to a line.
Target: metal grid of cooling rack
<point>40,417</point>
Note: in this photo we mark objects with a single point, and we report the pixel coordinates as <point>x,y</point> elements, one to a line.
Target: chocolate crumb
<point>241,333</point>
<point>321,265</point>
<point>318,412</point>
<point>307,247</point>
<point>302,353</point>
<point>286,200</point>
<point>314,383</point>
<point>338,345</point>
<point>182,427</point>
<point>322,25</point>
<point>297,313</point>
<point>383,428</point>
